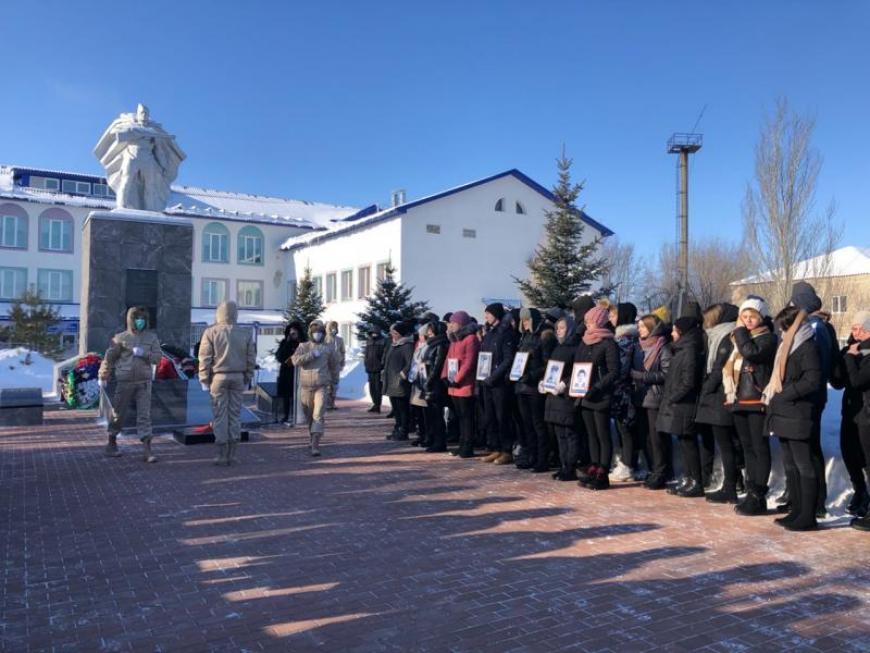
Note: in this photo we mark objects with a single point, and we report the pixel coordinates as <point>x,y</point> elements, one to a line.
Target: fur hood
<point>316,325</point>
<point>132,313</point>
<point>626,331</point>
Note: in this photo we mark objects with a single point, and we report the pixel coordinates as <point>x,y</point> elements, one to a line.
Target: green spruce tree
<point>307,305</point>
<point>390,303</point>
<point>31,319</point>
<point>562,268</point>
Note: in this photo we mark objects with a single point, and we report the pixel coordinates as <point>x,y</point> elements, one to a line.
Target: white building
<point>459,248</point>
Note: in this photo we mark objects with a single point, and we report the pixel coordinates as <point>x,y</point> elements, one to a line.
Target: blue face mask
<point>139,323</point>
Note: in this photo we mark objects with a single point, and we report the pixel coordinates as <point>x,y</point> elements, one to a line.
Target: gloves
<point>560,388</point>
<point>204,386</point>
<point>102,383</point>
<point>138,351</point>
<point>541,389</point>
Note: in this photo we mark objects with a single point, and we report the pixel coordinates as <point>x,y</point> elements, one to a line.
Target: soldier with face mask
<point>130,356</point>
<point>317,363</point>
<point>337,342</point>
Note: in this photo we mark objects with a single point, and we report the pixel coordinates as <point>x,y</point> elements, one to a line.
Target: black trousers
<point>691,456</point>
<point>499,426</point>
<point>536,441</point>
<point>464,408</point>
<point>707,451</point>
<point>452,423</point>
<point>597,423</point>
<point>818,458</point>
<point>726,440</point>
<point>660,448</point>
<point>569,448</point>
<point>402,414</point>
<point>800,470</point>
<point>632,438</point>
<point>436,429</point>
<point>756,448</point>
<point>853,453</point>
<point>375,389</point>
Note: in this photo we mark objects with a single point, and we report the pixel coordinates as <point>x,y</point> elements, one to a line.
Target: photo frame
<point>552,375</point>
<point>484,365</point>
<point>452,369</point>
<point>519,367</point>
<point>581,379</point>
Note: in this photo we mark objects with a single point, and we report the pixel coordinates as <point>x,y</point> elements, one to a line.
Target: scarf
<point>715,336</point>
<point>595,320</point>
<point>732,367</point>
<point>797,334</point>
<point>651,347</point>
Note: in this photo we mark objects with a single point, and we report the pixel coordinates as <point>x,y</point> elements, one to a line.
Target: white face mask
<point>317,336</point>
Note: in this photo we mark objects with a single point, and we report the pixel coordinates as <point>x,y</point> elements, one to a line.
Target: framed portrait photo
<point>553,374</point>
<point>452,369</point>
<point>581,377</point>
<point>519,366</point>
<point>484,365</point>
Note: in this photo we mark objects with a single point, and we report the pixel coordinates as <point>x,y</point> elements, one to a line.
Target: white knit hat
<point>862,318</point>
<point>755,303</point>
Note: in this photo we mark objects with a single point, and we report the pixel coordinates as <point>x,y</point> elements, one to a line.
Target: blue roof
<point>402,209</point>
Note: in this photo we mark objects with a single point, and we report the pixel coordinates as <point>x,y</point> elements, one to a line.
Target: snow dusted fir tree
<point>562,268</point>
<point>391,303</point>
<point>307,306</point>
<point>31,319</point>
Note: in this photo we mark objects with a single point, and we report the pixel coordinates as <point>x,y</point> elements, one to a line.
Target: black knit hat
<point>626,313</point>
<point>804,296</point>
<point>496,310</point>
<point>686,324</point>
<point>581,306</point>
<point>404,329</point>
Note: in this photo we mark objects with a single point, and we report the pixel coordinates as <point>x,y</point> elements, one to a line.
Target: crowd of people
<point>728,378</point>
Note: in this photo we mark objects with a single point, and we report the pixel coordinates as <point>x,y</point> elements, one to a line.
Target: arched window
<point>56,231</point>
<point>499,206</point>
<point>250,246</point>
<point>520,209</point>
<point>215,243</point>
<point>13,226</point>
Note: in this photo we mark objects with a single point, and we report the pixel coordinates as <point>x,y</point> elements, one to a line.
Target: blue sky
<point>345,101</point>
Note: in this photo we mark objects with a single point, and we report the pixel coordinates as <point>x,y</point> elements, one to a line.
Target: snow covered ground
<point>21,368</point>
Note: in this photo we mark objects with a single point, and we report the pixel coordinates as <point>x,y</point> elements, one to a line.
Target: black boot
<point>861,523</point>
<point>794,507</point>
<point>691,489</point>
<point>676,489</point>
<point>805,520</point>
<point>754,503</point>
<point>726,494</point>
<point>859,504</point>
<point>740,485</point>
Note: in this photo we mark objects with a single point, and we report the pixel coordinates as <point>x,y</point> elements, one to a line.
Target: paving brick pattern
<point>377,546</point>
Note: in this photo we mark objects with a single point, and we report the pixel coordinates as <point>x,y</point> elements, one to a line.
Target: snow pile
<point>22,368</point>
<point>268,368</point>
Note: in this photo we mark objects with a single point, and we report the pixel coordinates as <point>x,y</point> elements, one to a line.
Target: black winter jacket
<point>604,357</point>
<point>287,372</point>
<point>397,365</point>
<point>858,370</point>
<point>527,384</point>
<point>374,356</point>
<point>433,358</point>
<point>501,341</point>
<point>650,383</point>
<point>562,409</point>
<point>758,355</point>
<point>791,412</point>
<point>682,383</point>
<point>711,399</point>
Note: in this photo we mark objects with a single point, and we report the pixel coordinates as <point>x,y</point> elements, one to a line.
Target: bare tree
<point>623,271</point>
<point>713,264</point>
<point>781,225</point>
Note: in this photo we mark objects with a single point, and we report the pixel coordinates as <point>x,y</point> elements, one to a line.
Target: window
<point>291,292</point>
<point>469,233</point>
<point>101,190</point>
<point>346,332</point>
<point>318,285</point>
<point>55,285</point>
<point>499,205</point>
<point>55,231</point>
<point>433,228</point>
<point>45,183</point>
<point>838,304</point>
<point>364,282</point>
<point>250,246</point>
<point>346,285</point>
<point>215,243</point>
<point>520,209</point>
<point>13,281</point>
<point>13,226</point>
<point>214,291</point>
<point>330,287</point>
<point>381,271</point>
<point>76,187</point>
<point>249,294</point>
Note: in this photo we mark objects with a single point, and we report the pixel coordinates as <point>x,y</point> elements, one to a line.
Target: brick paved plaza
<point>379,547</point>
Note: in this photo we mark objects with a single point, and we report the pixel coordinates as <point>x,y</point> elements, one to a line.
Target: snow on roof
<point>843,262</point>
<point>192,201</point>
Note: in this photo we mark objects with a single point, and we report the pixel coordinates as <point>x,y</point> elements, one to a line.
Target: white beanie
<point>755,303</point>
<point>862,318</point>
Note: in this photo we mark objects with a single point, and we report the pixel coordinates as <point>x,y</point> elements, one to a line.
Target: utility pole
<point>684,145</point>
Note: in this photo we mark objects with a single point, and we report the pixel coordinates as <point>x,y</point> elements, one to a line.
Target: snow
<point>16,373</point>
<point>843,262</point>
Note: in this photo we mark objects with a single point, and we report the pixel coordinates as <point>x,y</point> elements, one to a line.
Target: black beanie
<point>804,296</point>
<point>626,313</point>
<point>692,309</point>
<point>496,310</point>
<point>581,306</point>
<point>402,328</point>
<point>447,316</point>
<point>686,324</point>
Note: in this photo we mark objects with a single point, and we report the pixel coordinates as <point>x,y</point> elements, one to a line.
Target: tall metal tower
<point>684,145</point>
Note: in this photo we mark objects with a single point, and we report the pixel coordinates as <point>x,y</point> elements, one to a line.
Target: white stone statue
<point>141,160</point>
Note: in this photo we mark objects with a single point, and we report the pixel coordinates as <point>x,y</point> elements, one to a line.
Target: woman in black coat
<point>559,409</point>
<point>530,403</point>
<point>597,346</point>
<point>397,365</point>
<point>649,379</point>
<point>856,361</point>
<point>294,333</point>
<point>679,401</point>
<point>794,397</point>
<point>434,387</point>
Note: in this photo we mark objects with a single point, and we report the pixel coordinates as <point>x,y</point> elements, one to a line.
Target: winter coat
<point>626,398</point>
<point>604,357</point>
<point>531,343</point>
<point>463,348</point>
<point>338,342</point>
<point>758,355</point>
<point>119,356</point>
<point>858,371</point>
<point>374,355</point>
<point>434,355</point>
<point>562,409</point>
<point>286,372</point>
<point>397,366</point>
<point>650,383</point>
<point>501,342</point>
<point>791,412</point>
<point>853,400</point>
<point>682,383</point>
<point>225,348</point>
<point>317,363</point>
<point>711,398</point>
